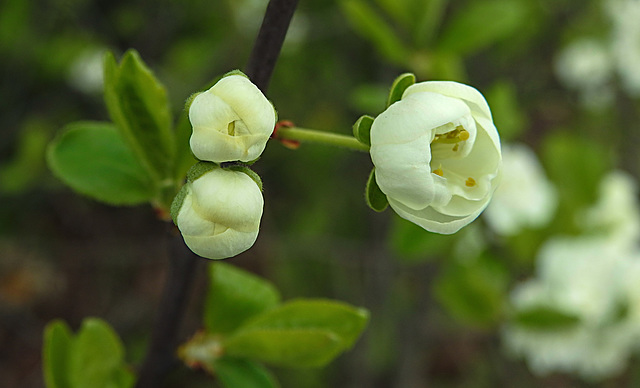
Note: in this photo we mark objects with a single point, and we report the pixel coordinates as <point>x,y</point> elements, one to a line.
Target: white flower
<point>525,198</point>
<point>231,121</point>
<point>437,155</point>
<point>586,65</point>
<point>594,281</point>
<point>218,212</point>
<point>625,44</point>
<point>616,215</point>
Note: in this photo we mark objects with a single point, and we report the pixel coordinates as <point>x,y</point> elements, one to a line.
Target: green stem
<point>312,135</point>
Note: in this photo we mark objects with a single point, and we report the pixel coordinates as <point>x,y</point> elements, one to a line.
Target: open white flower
<point>231,121</point>
<point>437,155</point>
<point>525,198</point>
<point>594,281</point>
<point>218,212</point>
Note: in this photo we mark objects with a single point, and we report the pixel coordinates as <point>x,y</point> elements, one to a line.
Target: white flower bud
<point>219,214</point>
<point>437,155</point>
<point>231,121</point>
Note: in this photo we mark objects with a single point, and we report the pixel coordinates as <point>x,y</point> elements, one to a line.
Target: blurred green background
<point>437,302</point>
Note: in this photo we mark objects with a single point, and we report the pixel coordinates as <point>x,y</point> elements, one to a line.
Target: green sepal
<point>237,372</point>
<point>375,198</point>
<point>199,169</point>
<point>400,84</point>
<point>245,169</point>
<point>176,204</point>
<point>235,72</point>
<point>234,296</point>
<point>545,318</point>
<point>138,104</point>
<point>362,129</point>
<point>94,160</point>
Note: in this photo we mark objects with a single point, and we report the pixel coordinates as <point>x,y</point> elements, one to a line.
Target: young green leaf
<point>545,318</point>
<point>55,354</point>
<point>473,292</point>
<point>362,129</point>
<point>93,159</point>
<point>370,25</point>
<point>480,24</point>
<point>240,373</point>
<point>400,84</point>
<point>184,157</point>
<point>97,355</point>
<point>235,296</point>
<point>345,321</point>
<point>294,348</point>
<point>375,198</point>
<point>137,103</point>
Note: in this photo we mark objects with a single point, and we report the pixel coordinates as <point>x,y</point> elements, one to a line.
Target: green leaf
<point>55,354</point>
<point>481,23</point>
<point>239,373</point>
<point>235,296</point>
<point>414,244</point>
<point>375,198</point>
<point>579,164</point>
<point>300,333</point>
<point>507,115</point>
<point>545,318</point>
<point>297,348</point>
<point>400,84</point>
<point>137,103</point>
<point>184,157</point>
<point>473,292</point>
<point>346,321</point>
<point>371,26</point>
<point>26,167</point>
<point>93,159</point>
<point>362,129</point>
<point>97,356</point>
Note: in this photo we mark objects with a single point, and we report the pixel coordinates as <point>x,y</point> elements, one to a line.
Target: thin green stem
<point>323,137</point>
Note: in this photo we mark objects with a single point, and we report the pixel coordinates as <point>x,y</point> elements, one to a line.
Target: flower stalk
<point>312,135</point>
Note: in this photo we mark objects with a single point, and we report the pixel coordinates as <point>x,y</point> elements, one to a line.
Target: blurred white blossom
<point>525,198</point>
<point>86,72</point>
<point>625,42</point>
<point>616,215</point>
<point>586,66</point>
<point>594,281</point>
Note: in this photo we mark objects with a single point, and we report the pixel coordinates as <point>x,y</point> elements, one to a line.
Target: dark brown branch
<point>165,336</point>
<point>266,48</point>
<point>183,263</point>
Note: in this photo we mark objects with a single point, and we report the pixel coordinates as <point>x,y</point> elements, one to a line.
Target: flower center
<point>454,137</point>
<point>231,128</point>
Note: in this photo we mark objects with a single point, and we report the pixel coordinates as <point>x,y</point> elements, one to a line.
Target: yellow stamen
<point>438,171</point>
<point>463,135</point>
<point>231,128</point>
<point>456,147</point>
<point>470,182</point>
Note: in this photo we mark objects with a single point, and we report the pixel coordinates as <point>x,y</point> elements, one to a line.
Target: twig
<point>267,47</point>
<point>183,263</point>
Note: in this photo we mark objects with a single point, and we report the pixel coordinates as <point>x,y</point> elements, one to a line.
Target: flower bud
<point>218,211</point>
<point>437,155</point>
<point>231,121</point>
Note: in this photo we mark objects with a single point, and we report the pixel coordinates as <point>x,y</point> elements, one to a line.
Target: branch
<point>266,48</point>
<point>183,263</point>
<point>165,337</point>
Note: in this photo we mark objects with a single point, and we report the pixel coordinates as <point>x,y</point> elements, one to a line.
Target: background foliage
<point>436,302</point>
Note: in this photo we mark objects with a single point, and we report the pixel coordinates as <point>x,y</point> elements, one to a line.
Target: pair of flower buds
<point>436,154</point>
